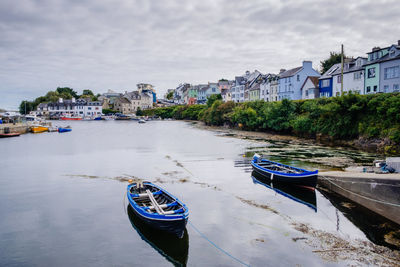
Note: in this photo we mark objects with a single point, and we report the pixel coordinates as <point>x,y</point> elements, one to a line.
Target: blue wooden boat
<point>64,130</point>
<point>283,173</point>
<point>175,249</point>
<point>298,193</point>
<point>157,207</point>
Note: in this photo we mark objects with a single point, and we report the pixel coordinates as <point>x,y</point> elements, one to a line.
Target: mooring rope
<point>365,197</point>
<point>216,246</point>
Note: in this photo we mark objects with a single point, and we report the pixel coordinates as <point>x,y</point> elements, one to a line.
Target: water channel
<point>62,201</point>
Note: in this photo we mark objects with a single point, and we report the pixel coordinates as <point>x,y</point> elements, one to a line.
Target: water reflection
<point>303,195</point>
<point>173,248</point>
<point>378,229</point>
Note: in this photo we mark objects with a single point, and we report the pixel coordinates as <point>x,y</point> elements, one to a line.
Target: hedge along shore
<point>366,122</point>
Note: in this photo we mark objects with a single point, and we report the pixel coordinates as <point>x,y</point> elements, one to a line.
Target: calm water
<point>62,200</point>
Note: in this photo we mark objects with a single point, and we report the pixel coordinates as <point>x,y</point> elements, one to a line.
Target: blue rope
<point>215,245</point>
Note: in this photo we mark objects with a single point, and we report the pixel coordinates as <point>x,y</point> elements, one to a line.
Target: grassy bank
<point>370,121</point>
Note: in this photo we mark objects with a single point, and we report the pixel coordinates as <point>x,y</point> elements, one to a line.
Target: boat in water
<point>39,129</point>
<point>64,130</point>
<point>175,249</point>
<point>141,121</point>
<point>71,118</point>
<point>158,208</point>
<point>283,173</point>
<point>300,194</point>
<point>5,135</point>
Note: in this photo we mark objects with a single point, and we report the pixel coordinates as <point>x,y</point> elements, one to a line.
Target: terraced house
<point>291,81</point>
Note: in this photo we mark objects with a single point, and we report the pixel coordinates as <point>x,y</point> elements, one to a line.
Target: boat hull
<point>64,130</point>
<point>71,118</point>
<point>39,129</point>
<point>5,135</point>
<point>304,177</point>
<point>174,223</point>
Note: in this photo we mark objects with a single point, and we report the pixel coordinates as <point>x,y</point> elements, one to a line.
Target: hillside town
<point>377,72</point>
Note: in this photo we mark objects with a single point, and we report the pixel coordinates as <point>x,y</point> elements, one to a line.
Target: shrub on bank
<point>345,117</point>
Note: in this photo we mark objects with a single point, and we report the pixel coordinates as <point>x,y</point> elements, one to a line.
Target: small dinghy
<point>157,207</point>
<point>64,130</point>
<point>283,173</point>
<point>5,135</point>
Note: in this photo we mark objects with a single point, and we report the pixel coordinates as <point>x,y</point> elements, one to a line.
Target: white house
<point>353,77</point>
<point>310,90</point>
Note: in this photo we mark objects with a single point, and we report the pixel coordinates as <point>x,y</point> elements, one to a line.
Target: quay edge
<point>379,193</point>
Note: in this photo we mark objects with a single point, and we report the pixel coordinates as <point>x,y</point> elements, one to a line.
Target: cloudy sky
<point>100,45</point>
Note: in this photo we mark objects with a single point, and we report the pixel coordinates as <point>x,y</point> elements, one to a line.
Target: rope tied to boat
<point>365,197</point>
<point>216,246</point>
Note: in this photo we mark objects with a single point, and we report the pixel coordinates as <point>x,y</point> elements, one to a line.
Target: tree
<point>87,92</point>
<point>170,95</point>
<point>333,59</point>
<point>139,112</point>
<point>67,90</point>
<point>212,98</point>
<point>26,106</point>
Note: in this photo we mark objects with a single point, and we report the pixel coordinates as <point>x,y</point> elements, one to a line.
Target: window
<point>371,73</point>
<point>213,90</point>
<point>395,87</point>
<point>306,92</point>
<point>368,89</point>
<point>375,88</point>
<point>298,77</point>
<point>325,83</point>
<point>391,73</point>
<point>339,78</point>
<point>357,75</point>
<point>386,88</point>
<point>89,108</point>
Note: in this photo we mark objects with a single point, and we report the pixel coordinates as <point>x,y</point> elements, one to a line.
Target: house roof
<point>328,74</point>
<point>289,73</point>
<point>122,100</point>
<point>313,79</point>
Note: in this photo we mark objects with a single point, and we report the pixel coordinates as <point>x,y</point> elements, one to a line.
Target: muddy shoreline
<point>361,144</point>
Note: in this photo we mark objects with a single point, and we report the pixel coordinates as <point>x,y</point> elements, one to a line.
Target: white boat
<point>141,121</point>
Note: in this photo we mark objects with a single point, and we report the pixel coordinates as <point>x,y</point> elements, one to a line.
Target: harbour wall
<point>379,193</point>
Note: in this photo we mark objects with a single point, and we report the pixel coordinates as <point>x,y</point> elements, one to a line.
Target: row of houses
<point>126,103</point>
<point>379,72</point>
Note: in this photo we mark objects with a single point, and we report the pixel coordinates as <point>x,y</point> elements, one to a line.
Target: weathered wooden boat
<point>175,249</point>
<point>64,130</point>
<point>284,173</point>
<point>298,193</point>
<point>157,207</point>
<point>5,135</point>
<point>39,129</point>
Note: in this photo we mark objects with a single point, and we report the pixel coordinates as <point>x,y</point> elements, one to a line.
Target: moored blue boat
<point>64,130</point>
<point>157,207</point>
<point>283,173</point>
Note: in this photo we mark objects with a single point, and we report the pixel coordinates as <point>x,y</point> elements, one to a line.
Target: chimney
<point>398,42</point>
<point>281,71</point>
<point>60,100</point>
<point>73,100</point>
<point>376,48</point>
<point>247,72</point>
<point>307,64</point>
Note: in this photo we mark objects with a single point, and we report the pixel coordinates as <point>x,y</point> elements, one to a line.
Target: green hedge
<point>345,117</point>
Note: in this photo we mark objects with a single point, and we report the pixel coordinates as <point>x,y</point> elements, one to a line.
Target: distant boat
<point>71,118</point>
<point>283,173</point>
<point>97,119</point>
<point>141,121</point>
<point>157,207</point>
<point>64,130</point>
<point>300,194</point>
<point>53,129</point>
<point>175,249</point>
<point>5,135</point>
<point>39,129</point>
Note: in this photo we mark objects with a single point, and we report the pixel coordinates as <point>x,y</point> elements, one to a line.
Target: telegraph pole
<point>341,78</point>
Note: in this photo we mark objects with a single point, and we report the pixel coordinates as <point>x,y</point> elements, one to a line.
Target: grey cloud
<point>116,44</point>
